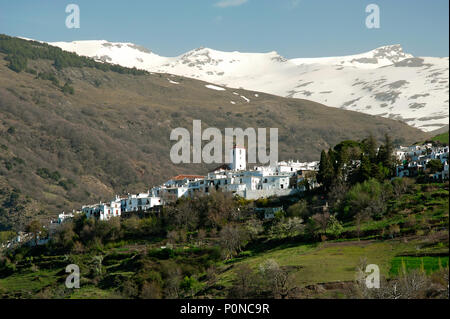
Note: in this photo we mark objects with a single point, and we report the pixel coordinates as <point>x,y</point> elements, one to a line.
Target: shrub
<point>68,89</point>
<point>370,197</point>
<point>17,63</point>
<point>334,227</point>
<point>151,290</point>
<point>287,227</point>
<point>394,230</point>
<point>299,209</point>
<point>190,285</point>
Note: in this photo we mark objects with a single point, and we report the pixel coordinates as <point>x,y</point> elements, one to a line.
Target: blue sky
<point>293,28</point>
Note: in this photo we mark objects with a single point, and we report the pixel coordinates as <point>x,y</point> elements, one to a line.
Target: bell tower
<point>238,158</point>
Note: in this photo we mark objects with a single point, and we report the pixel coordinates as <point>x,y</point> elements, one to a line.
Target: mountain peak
<point>393,52</point>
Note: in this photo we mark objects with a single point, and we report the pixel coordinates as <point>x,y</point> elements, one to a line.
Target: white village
<point>283,179</point>
<point>286,178</point>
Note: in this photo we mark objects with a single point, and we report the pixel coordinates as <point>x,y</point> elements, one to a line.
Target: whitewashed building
<point>139,202</point>
<point>414,159</point>
<point>103,211</point>
<point>259,182</point>
<point>64,217</point>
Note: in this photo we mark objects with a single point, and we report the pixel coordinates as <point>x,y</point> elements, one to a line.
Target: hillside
<point>385,81</point>
<point>59,150</point>
<point>442,138</point>
<point>132,258</point>
<point>440,131</point>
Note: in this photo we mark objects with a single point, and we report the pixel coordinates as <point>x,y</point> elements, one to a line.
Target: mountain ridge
<point>385,81</point>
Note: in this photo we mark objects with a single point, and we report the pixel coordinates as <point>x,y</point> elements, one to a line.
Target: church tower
<point>238,158</point>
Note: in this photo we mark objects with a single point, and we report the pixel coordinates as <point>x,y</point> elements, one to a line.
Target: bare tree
<point>337,193</point>
<point>231,240</point>
<point>243,284</point>
<point>360,217</point>
<point>221,208</point>
<point>129,289</point>
<point>201,235</point>
<point>322,220</point>
<point>183,215</point>
<point>277,279</point>
<point>35,228</point>
<point>172,237</point>
<point>172,284</point>
<point>409,285</point>
<point>211,275</point>
<point>254,227</point>
<point>401,186</point>
<point>150,290</point>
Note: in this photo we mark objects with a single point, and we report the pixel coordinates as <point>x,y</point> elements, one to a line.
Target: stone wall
<point>263,193</point>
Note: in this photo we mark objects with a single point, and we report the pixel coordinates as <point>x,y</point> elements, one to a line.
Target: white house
<point>63,217</point>
<point>103,211</point>
<point>139,202</point>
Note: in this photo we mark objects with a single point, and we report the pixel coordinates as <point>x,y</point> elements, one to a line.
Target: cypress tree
<point>365,171</point>
<point>371,148</point>
<point>388,159</point>
<point>326,171</point>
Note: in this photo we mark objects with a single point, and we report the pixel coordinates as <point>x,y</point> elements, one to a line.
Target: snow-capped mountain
<point>386,81</point>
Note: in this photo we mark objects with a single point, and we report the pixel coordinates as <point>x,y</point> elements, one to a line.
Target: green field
<point>29,281</point>
<point>429,264</point>
<point>337,261</point>
<point>442,138</point>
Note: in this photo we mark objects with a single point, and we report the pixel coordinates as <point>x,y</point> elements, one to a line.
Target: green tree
<point>365,169</point>
<point>35,228</point>
<point>190,286</point>
<point>370,148</point>
<point>434,166</point>
<point>17,63</point>
<point>369,197</point>
<point>334,227</point>
<point>299,209</point>
<point>326,174</point>
<point>386,154</point>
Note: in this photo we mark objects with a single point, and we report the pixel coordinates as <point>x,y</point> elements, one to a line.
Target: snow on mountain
<point>386,81</point>
<point>125,54</point>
